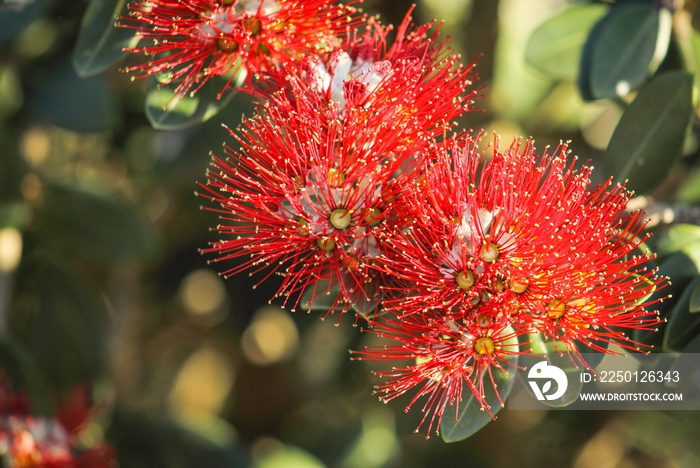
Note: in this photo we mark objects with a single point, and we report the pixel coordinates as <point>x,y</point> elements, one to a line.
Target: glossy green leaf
<point>61,320</point>
<point>94,226</point>
<point>648,140</point>
<point>693,347</point>
<point>687,40</point>
<point>682,325</point>
<point>554,48</point>
<point>168,111</point>
<point>13,365</point>
<point>623,49</point>
<point>319,297</point>
<point>471,417</point>
<point>694,306</point>
<point>681,267</point>
<point>57,94</point>
<point>100,42</point>
<point>676,237</point>
<point>689,190</point>
<point>15,16</point>
<point>20,370</point>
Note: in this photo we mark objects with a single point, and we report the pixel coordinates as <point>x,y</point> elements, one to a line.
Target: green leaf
<point>61,320</point>
<point>59,95</point>
<point>554,48</point>
<point>648,140</point>
<point>471,417</point>
<point>168,111</point>
<point>18,367</point>
<point>689,190</point>
<point>100,42</point>
<point>693,347</point>
<point>682,325</point>
<point>318,297</point>
<point>15,16</point>
<point>94,226</point>
<point>624,49</point>
<point>694,306</point>
<point>681,267</point>
<point>676,238</point>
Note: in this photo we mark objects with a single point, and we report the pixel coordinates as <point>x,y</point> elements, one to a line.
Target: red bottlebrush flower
<point>517,241</point>
<point>195,40</point>
<point>417,84</point>
<point>29,441</point>
<point>523,235</point>
<point>363,115</point>
<point>444,355</point>
<point>310,195</point>
<point>34,443</point>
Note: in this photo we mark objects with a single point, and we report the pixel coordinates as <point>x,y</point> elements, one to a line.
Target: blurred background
<point>101,278</point>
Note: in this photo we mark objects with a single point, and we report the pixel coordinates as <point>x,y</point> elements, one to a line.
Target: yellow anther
<point>325,243</point>
<point>556,308</point>
<point>374,217</point>
<point>335,177</point>
<point>518,286</point>
<point>226,44</point>
<point>465,279</point>
<point>489,252</point>
<point>484,345</point>
<point>340,218</point>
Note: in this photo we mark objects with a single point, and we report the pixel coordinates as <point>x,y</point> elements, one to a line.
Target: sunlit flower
<point>309,197</point>
<point>416,82</point>
<point>438,357</point>
<point>513,240</point>
<point>523,234</point>
<point>191,41</point>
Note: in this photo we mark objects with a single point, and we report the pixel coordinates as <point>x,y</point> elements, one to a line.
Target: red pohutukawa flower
<point>310,195</point>
<point>443,356</point>
<point>518,238</point>
<point>416,84</point>
<point>27,440</point>
<point>194,40</point>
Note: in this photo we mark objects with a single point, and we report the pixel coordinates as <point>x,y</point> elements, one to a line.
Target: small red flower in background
<point>517,241</point>
<point>30,441</point>
<point>195,40</point>
<point>310,195</point>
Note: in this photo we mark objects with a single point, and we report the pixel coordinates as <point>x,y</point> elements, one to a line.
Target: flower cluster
<point>498,248</point>
<point>192,41</point>
<point>317,182</point>
<point>31,441</point>
<point>348,181</point>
